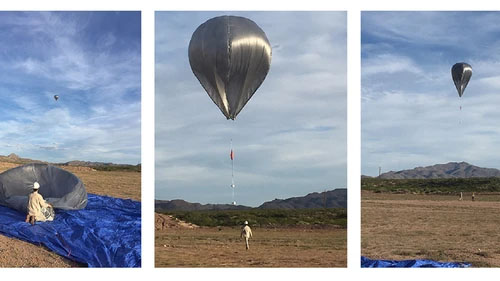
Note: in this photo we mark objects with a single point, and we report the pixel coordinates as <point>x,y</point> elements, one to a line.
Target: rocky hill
<point>163,222</point>
<point>329,199</point>
<point>449,170</point>
<point>102,166</point>
<point>14,158</point>
<point>181,205</point>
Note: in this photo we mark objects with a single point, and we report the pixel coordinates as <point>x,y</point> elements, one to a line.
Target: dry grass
<point>17,253</point>
<point>119,184</point>
<point>438,227</point>
<point>4,166</point>
<point>285,247</point>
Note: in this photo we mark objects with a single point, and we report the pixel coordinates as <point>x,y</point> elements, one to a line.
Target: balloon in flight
<point>231,57</point>
<point>461,73</point>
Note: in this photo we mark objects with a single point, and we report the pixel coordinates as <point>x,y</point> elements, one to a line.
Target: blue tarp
<point>107,233</point>
<point>366,262</point>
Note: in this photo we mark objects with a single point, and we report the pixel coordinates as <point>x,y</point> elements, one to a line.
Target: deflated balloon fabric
<point>58,187</point>
<point>366,262</point>
<point>107,233</point>
<point>231,57</point>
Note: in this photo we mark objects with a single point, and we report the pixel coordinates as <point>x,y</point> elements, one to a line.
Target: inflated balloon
<point>56,97</point>
<point>461,73</point>
<point>231,57</point>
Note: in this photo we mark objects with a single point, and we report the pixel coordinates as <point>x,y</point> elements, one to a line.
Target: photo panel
<point>70,139</point>
<point>250,139</point>
<point>429,184</point>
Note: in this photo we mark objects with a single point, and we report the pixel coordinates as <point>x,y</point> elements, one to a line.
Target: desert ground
<point>437,227</point>
<point>178,244</point>
<point>17,253</point>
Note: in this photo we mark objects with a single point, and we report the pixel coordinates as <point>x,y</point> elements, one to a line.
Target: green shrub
<point>265,217</point>
<point>431,186</point>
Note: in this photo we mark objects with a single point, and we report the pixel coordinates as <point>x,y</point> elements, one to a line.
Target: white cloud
<point>97,116</point>
<point>389,63</point>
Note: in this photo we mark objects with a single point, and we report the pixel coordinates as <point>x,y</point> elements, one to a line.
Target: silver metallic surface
<point>461,73</point>
<point>231,57</point>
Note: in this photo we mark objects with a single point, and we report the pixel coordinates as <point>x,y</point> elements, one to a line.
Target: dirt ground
<point>162,222</point>
<point>222,247</point>
<point>17,253</point>
<point>437,227</point>
<point>118,184</point>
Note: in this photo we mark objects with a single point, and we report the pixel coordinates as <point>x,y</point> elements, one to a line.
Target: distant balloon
<point>461,73</point>
<point>56,97</point>
<point>231,57</point>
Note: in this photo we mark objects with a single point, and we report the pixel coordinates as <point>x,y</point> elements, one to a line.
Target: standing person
<point>247,232</point>
<point>38,209</point>
<point>473,196</point>
<point>461,196</point>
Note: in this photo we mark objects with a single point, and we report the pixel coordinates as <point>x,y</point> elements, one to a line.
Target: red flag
<point>232,155</point>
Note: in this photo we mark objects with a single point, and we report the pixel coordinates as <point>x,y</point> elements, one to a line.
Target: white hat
<point>246,222</point>
<point>36,185</point>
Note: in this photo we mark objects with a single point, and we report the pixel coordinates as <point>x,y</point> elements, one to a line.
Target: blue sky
<point>92,60</point>
<point>289,139</point>
<point>410,108</point>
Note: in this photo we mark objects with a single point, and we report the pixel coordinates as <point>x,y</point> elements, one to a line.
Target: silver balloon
<point>231,57</point>
<point>461,73</point>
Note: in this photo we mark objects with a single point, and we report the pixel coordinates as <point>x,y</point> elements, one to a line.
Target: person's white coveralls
<point>37,207</point>
<point>246,232</point>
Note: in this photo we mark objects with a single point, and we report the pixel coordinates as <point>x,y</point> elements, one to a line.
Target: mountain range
<point>181,205</point>
<point>448,170</point>
<point>336,198</point>
<point>14,158</point>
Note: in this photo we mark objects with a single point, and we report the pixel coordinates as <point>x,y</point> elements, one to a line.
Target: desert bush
<point>265,217</point>
<point>431,186</point>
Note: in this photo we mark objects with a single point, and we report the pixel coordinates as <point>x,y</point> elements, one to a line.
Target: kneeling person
<point>38,209</point>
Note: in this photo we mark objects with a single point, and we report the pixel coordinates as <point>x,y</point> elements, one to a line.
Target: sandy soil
<point>162,222</point>
<point>438,227</point>
<point>118,184</point>
<point>222,247</point>
<point>17,253</point>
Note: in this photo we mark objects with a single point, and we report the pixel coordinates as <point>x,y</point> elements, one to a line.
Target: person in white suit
<point>246,232</point>
<point>38,208</point>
